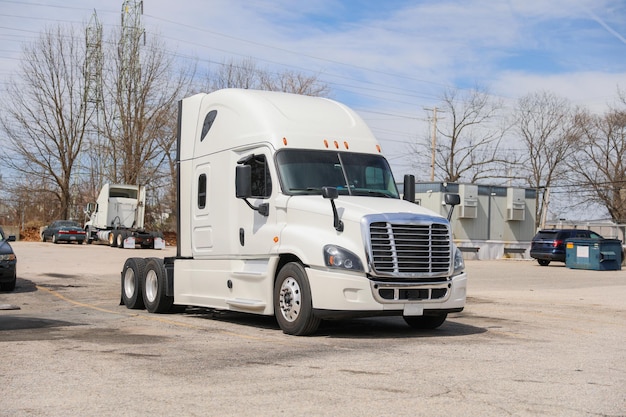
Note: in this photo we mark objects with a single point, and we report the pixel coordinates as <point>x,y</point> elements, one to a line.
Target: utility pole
<point>433,144</point>
<point>544,207</point>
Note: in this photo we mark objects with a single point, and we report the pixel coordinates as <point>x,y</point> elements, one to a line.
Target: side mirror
<point>452,199</point>
<point>11,238</point>
<point>331,193</point>
<point>243,181</point>
<point>243,188</point>
<point>408,193</point>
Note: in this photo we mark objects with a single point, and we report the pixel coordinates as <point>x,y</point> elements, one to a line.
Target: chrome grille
<point>411,250</point>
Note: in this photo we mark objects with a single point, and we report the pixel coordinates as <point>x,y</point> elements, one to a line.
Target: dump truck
<point>117,218</point>
<point>288,207</point>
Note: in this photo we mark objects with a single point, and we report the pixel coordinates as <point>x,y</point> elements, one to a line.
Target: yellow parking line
<point>93,307</point>
<point>146,317</point>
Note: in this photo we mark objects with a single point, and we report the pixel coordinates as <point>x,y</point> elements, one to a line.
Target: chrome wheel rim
<point>290,299</point>
<point>129,283</point>
<point>151,285</point>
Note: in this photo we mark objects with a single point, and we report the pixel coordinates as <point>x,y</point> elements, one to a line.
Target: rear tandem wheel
<point>154,291</point>
<point>133,276</point>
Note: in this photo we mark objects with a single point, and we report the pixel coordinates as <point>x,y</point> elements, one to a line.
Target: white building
<point>491,222</point>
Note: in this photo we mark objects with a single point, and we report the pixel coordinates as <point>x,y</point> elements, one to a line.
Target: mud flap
<point>159,243</point>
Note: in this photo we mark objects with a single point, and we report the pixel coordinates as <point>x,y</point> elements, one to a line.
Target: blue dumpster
<point>595,254</point>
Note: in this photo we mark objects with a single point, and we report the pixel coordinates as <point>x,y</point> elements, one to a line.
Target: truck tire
<point>119,239</point>
<point>154,293</point>
<point>133,276</point>
<point>293,304</point>
<point>113,239</point>
<point>425,322</point>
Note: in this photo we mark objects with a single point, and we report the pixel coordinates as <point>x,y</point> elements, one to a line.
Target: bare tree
<point>141,85</point>
<point>601,161</point>
<point>550,130</point>
<point>468,138</point>
<point>45,116</point>
<point>246,74</point>
<point>296,83</point>
<point>236,74</point>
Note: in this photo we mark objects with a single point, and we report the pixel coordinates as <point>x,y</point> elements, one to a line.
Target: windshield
<point>307,171</point>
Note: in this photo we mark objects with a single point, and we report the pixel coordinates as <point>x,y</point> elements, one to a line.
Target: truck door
<point>257,233</point>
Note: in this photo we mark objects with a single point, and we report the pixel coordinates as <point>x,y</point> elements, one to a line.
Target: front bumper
<point>337,291</point>
<point>548,256</point>
<point>7,271</point>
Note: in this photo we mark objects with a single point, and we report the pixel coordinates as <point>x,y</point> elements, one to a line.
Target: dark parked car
<point>8,263</point>
<point>549,245</point>
<point>64,231</point>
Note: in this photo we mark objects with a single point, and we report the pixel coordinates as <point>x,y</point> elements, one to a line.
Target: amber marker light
<point>346,145</point>
<point>326,143</point>
<point>275,239</point>
<point>285,141</point>
<point>378,148</point>
<point>336,145</point>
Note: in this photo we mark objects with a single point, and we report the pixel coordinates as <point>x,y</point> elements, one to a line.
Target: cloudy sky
<point>387,59</point>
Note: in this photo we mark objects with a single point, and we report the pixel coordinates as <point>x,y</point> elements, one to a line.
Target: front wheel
<point>293,304</point>
<point>132,283</point>
<point>155,285</point>
<point>425,322</point>
<point>543,262</point>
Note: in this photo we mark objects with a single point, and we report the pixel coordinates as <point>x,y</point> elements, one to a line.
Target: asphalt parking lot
<point>532,341</point>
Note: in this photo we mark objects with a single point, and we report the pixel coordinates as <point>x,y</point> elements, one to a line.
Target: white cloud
<point>593,90</point>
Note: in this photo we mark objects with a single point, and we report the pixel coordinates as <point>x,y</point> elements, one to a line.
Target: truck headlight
<point>338,257</point>
<point>459,263</point>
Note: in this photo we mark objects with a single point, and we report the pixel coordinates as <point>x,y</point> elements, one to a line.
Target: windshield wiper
<point>371,193</point>
<point>309,190</point>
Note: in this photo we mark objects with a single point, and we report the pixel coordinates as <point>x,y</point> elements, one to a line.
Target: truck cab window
<point>358,174</point>
<point>261,179</point>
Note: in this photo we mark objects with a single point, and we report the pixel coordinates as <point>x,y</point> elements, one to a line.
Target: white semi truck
<point>117,218</point>
<point>287,207</point>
